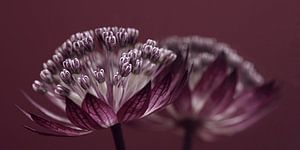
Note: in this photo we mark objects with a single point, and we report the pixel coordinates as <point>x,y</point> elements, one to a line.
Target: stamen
<point>137,66</point>
<point>81,35</point>
<point>151,42</point>
<point>62,91</point>
<point>117,79</point>
<point>39,87</point>
<point>132,35</point>
<point>50,65</point>
<point>149,69</point>
<point>78,47</point>
<point>125,69</point>
<point>124,65</point>
<point>67,63</point>
<point>83,45</point>
<point>46,76</point>
<point>66,76</point>
<point>88,43</point>
<point>124,59</point>
<point>76,63</point>
<point>66,49</point>
<point>154,54</point>
<point>84,81</point>
<point>113,37</point>
<point>99,75</point>
<point>135,60</point>
<point>167,56</point>
<point>134,54</point>
<point>58,58</point>
<point>73,65</point>
<point>150,51</point>
<point>145,49</point>
<point>110,41</point>
<point>122,36</point>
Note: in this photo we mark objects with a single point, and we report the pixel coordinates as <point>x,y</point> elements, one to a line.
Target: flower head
<point>100,86</point>
<point>224,95</point>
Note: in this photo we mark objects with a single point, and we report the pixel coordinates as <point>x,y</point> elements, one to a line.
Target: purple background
<point>266,32</point>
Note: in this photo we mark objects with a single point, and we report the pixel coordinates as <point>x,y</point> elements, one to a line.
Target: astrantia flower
<point>224,95</point>
<point>99,88</point>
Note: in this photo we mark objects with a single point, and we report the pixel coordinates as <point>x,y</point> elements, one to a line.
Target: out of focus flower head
<point>100,86</point>
<point>224,95</point>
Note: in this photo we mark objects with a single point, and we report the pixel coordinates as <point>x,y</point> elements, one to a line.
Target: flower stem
<point>118,136</point>
<point>189,129</point>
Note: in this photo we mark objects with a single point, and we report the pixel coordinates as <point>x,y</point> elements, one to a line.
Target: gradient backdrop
<point>266,32</point>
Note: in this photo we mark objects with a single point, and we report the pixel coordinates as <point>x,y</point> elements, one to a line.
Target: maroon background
<point>266,32</point>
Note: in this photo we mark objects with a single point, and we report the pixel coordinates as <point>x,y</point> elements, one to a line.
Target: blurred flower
<point>122,81</point>
<point>224,95</point>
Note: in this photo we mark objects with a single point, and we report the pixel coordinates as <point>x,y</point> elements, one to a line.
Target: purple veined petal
<point>100,111</point>
<point>79,117</point>
<point>179,82</point>
<point>178,86</point>
<point>136,106</point>
<point>213,76</point>
<point>165,91</point>
<point>54,126</point>
<point>266,94</point>
<point>183,104</point>
<point>264,98</point>
<point>163,94</point>
<point>46,111</point>
<point>56,134</point>
<point>256,99</point>
<point>159,94</point>
<point>239,123</point>
<point>221,97</point>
